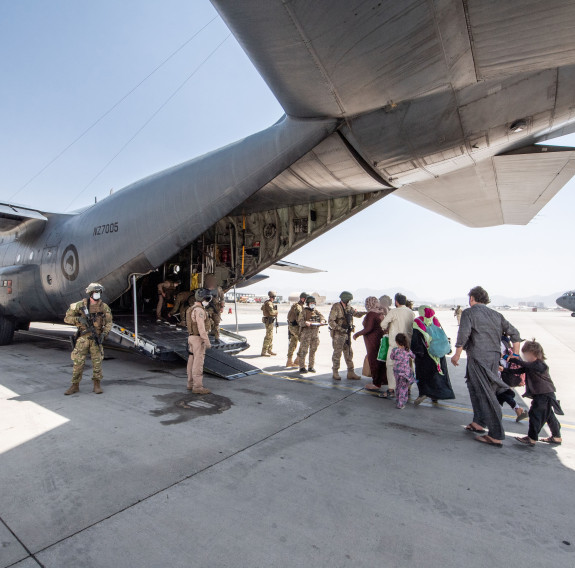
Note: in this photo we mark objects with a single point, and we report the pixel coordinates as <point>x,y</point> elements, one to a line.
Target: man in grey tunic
<point>480,335</point>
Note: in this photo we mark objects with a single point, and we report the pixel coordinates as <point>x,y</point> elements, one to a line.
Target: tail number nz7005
<point>106,229</point>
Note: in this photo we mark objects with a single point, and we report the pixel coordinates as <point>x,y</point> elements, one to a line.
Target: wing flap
<point>507,189</point>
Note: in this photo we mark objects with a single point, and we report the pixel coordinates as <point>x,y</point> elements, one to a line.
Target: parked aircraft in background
<point>567,301</point>
<point>441,102</point>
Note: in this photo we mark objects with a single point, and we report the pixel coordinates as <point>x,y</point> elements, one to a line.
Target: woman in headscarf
<point>372,334</point>
<point>385,303</point>
<point>430,371</point>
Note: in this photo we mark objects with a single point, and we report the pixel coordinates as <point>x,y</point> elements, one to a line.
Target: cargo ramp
<point>166,342</point>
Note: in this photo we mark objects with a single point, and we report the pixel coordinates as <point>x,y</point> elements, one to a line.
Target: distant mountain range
<point>496,299</point>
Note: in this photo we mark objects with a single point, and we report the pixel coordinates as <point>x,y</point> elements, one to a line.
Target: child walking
<point>539,388</point>
<point>508,396</point>
<point>402,369</point>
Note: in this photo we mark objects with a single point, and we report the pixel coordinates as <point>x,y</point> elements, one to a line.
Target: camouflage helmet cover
<point>346,296</point>
<point>272,294</point>
<point>310,300</point>
<point>303,295</point>
<point>94,287</point>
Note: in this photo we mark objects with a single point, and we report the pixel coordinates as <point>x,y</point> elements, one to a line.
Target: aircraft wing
<point>346,57</point>
<point>506,189</point>
<point>427,94</point>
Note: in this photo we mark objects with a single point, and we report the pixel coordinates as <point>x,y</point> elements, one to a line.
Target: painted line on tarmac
<point>362,391</point>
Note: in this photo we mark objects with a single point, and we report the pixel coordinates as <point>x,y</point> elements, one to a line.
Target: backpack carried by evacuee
<point>438,342</point>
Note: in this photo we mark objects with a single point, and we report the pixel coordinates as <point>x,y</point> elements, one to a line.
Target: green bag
<point>383,348</point>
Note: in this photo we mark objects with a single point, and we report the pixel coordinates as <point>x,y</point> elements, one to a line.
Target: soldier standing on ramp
<point>198,341</point>
<point>294,329</point>
<point>270,314</point>
<point>341,327</point>
<point>94,321</point>
<point>216,307</point>
<point>309,321</point>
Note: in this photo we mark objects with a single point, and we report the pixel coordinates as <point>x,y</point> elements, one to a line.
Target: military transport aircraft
<point>439,101</point>
<point>567,301</point>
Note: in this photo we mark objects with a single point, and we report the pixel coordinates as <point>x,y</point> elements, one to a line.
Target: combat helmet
<point>272,294</point>
<point>346,296</point>
<point>94,287</point>
<point>310,300</point>
<point>303,295</point>
<point>203,294</point>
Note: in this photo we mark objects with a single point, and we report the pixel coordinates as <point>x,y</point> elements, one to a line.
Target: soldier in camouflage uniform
<point>216,307</point>
<point>341,327</point>
<point>309,322</point>
<point>270,311</point>
<point>91,309</point>
<point>294,329</point>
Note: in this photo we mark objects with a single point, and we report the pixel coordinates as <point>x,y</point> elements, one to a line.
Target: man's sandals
<point>489,441</point>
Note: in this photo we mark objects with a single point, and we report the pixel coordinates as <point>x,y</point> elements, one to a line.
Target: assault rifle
<point>349,327</point>
<point>88,321</point>
<point>276,318</point>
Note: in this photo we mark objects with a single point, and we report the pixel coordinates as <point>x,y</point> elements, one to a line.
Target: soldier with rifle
<point>93,318</point>
<point>270,315</point>
<point>341,327</point>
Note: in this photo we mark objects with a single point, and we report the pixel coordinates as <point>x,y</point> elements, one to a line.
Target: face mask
<point>205,304</point>
<point>312,306</point>
<point>96,295</point>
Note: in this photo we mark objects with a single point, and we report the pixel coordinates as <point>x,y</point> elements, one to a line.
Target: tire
<point>6,330</point>
<point>573,315</point>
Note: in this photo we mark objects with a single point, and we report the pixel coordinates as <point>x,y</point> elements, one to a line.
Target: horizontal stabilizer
<point>13,215</point>
<point>507,189</point>
<point>292,267</point>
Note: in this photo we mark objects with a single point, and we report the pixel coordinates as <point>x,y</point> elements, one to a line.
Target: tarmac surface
<point>271,470</point>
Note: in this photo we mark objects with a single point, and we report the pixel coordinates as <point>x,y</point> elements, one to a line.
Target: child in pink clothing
<point>402,369</point>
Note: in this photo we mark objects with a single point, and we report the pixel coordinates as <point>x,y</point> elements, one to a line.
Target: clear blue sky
<point>65,63</point>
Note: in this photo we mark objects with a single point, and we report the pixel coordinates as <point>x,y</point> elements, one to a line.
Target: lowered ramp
<point>226,366</point>
<point>168,343</point>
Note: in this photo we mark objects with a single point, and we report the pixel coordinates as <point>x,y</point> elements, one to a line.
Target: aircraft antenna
<point>115,105</point>
<point>174,93</point>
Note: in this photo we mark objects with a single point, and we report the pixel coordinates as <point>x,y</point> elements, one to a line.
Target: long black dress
<point>430,381</point>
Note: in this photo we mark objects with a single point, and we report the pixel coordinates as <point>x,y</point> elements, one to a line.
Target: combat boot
<point>336,376</point>
<point>272,354</point>
<point>97,388</point>
<point>289,362</point>
<point>201,390</point>
<point>74,387</point>
<point>265,355</point>
<point>296,362</point>
<point>351,376</point>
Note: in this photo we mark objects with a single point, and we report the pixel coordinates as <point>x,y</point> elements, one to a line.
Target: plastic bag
<point>383,349</point>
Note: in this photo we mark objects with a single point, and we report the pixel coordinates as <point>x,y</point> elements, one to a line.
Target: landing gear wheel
<point>6,330</point>
<point>573,315</point>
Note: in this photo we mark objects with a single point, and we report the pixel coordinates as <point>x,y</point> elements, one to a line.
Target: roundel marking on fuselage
<point>70,263</point>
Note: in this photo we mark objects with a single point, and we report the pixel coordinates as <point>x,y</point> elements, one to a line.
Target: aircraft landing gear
<point>7,327</point>
<point>573,315</point>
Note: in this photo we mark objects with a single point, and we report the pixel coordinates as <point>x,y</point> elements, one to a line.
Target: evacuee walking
<point>402,358</point>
